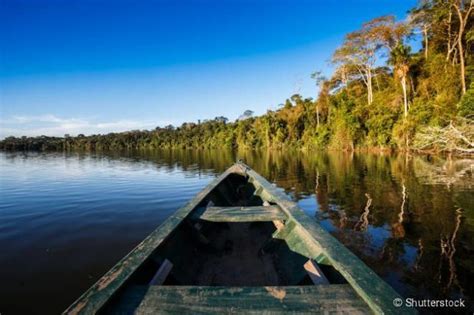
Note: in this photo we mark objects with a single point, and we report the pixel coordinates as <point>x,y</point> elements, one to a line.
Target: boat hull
<point>240,239</point>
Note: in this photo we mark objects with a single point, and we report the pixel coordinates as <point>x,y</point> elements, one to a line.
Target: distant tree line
<point>380,95</point>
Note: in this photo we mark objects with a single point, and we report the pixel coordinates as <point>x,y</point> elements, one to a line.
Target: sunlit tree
<point>400,60</point>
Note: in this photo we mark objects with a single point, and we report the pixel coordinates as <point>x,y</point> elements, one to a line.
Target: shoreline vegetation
<point>381,96</point>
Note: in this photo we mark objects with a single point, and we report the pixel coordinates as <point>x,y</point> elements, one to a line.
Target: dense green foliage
<point>379,96</point>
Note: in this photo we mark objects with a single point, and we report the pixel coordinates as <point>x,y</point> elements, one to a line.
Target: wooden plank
<point>303,232</point>
<point>279,224</point>
<point>315,273</point>
<point>243,214</point>
<point>320,245</point>
<point>163,272</point>
<point>97,295</point>
<point>332,299</point>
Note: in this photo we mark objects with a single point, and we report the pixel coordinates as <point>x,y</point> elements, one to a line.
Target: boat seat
<point>240,214</point>
<point>333,299</point>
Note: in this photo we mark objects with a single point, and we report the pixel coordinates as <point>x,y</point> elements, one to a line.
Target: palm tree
<point>400,60</point>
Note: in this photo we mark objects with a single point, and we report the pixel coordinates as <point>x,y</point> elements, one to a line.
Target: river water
<point>66,218</point>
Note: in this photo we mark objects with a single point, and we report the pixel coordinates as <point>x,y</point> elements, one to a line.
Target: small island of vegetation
<point>381,95</point>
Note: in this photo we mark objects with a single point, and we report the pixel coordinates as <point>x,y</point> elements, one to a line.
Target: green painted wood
<point>304,236</point>
<point>95,298</point>
<point>290,233</point>
<point>332,299</point>
<point>243,214</point>
<point>309,237</point>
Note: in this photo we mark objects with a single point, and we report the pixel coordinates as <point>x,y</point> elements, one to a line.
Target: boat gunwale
<point>378,295</point>
<point>101,291</point>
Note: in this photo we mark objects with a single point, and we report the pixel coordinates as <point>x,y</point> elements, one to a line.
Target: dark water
<point>65,219</point>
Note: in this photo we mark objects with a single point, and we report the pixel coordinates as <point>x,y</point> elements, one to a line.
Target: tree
<point>450,138</point>
<point>387,32</point>
<point>445,23</point>
<point>420,17</point>
<point>400,60</point>
<point>463,10</point>
<point>221,119</point>
<point>377,54</point>
<point>247,114</point>
<point>466,105</point>
<point>360,52</point>
<point>352,54</point>
<point>340,77</point>
<point>320,80</point>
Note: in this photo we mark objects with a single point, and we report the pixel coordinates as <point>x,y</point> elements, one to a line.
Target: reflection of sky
<point>328,226</point>
<point>378,236</point>
<point>309,205</point>
<point>75,214</point>
<point>409,254</point>
<point>52,182</point>
<point>98,200</point>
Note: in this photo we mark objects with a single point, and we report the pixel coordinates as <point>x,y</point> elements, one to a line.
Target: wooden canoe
<point>240,246</point>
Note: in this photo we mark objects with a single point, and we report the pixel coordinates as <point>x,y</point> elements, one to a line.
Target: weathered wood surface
<point>315,273</point>
<point>302,234</point>
<point>279,224</point>
<point>308,237</point>
<point>243,214</point>
<point>95,298</point>
<point>333,299</point>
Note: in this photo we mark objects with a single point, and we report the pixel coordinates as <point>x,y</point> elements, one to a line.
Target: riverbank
<point>145,140</point>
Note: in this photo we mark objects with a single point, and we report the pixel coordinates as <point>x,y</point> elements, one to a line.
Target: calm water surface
<point>65,219</point>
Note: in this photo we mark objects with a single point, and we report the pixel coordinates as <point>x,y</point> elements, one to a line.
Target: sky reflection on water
<point>67,218</point>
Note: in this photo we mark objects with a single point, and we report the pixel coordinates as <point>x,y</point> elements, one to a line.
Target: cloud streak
<point>52,125</point>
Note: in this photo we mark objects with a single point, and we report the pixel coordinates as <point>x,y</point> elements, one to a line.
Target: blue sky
<point>101,66</point>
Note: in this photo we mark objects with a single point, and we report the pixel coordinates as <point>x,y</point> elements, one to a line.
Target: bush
<point>466,105</point>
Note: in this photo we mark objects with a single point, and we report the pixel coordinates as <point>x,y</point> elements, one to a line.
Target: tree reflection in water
<point>364,218</point>
<point>390,210</point>
<point>409,217</point>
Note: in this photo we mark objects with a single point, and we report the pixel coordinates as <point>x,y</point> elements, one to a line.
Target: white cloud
<point>41,118</point>
<point>52,125</point>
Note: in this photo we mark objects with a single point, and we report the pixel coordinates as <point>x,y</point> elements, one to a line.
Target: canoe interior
<point>227,254</point>
<point>240,246</point>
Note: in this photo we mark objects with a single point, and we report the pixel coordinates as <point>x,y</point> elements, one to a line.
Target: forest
<point>381,95</point>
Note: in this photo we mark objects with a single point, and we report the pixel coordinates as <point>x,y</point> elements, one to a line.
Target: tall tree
<point>247,114</point>
<point>361,48</point>
<point>340,77</point>
<point>391,35</point>
<point>445,23</point>
<point>421,18</point>
<point>387,32</point>
<point>463,9</point>
<point>400,60</point>
<point>358,52</point>
<point>320,80</point>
